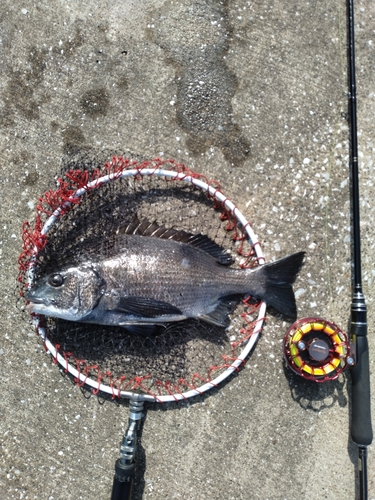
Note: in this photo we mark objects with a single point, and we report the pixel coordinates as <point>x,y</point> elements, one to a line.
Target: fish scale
<point>174,272</point>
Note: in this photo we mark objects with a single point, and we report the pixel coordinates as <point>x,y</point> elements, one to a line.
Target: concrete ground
<point>252,94</point>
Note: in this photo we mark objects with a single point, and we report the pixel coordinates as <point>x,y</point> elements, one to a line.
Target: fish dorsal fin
<point>153,230</point>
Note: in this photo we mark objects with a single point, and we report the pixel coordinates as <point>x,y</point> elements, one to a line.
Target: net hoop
<point>215,193</point>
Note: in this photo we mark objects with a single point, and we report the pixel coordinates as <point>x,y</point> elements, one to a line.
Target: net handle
<point>219,196</point>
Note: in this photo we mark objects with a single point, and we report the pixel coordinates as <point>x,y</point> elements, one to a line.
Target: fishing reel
<point>317,349</point>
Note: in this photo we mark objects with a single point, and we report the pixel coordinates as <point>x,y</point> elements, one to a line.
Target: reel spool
<point>317,349</point>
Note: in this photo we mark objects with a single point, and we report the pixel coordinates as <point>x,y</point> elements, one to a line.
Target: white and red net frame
<point>71,191</point>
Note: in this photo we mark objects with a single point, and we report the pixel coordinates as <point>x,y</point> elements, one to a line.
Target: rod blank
<point>361,428</point>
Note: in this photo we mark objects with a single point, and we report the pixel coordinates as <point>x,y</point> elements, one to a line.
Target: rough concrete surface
<point>252,94</point>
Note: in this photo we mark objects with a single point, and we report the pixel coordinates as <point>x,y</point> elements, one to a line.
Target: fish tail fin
<point>273,283</point>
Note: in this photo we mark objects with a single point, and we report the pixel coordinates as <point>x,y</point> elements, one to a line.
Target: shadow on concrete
<point>316,396</point>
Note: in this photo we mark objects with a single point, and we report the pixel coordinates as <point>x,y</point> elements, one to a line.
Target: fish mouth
<point>35,300</point>
<point>35,307</point>
<point>40,306</point>
<point>36,304</point>
<point>46,308</point>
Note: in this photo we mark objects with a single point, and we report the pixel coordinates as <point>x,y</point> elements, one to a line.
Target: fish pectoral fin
<point>145,307</point>
<point>219,316</point>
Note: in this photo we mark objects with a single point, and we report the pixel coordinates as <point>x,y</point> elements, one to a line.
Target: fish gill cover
<point>181,357</point>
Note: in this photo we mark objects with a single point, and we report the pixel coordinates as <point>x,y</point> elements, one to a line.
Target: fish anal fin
<point>219,316</point>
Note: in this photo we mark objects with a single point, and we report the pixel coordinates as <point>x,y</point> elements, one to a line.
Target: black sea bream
<point>159,276</point>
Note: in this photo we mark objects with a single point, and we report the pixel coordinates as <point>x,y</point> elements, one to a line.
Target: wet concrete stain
<point>123,83</point>
<point>18,94</point>
<point>54,126</point>
<point>69,47</point>
<point>31,178</point>
<point>74,140</point>
<point>23,162</point>
<point>95,102</point>
<point>205,84</point>
<point>23,94</point>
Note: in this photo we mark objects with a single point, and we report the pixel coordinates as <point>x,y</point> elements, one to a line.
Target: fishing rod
<point>361,429</point>
<point>316,348</point>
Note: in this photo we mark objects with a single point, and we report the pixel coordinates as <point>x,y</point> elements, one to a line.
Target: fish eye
<point>56,280</point>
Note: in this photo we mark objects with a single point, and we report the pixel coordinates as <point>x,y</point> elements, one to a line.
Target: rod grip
<point>361,428</point>
<point>123,481</point>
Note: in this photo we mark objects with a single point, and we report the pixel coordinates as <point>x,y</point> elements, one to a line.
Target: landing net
<point>82,218</point>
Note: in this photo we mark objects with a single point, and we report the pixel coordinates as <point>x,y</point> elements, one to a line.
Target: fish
<point>159,276</point>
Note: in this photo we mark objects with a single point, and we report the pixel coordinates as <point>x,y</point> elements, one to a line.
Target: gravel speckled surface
<point>252,94</point>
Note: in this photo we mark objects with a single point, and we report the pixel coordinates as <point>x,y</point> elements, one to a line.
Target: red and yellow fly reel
<point>317,349</point>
